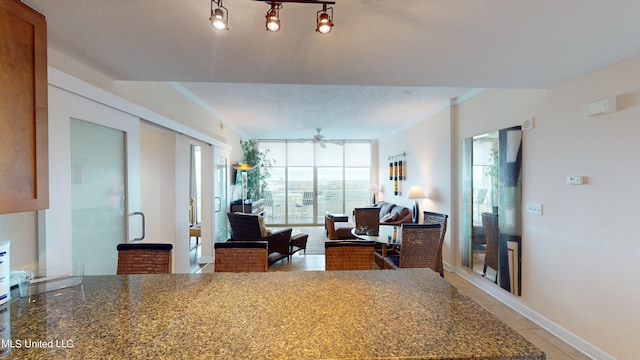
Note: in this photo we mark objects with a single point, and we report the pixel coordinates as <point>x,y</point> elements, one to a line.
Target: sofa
<point>390,214</point>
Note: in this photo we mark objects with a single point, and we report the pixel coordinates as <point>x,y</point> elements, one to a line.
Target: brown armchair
<point>338,231</point>
<point>250,227</point>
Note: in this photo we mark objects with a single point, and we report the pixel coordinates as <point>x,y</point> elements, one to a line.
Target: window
<point>308,180</point>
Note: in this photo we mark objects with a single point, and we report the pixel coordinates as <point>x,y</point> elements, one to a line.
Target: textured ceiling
<point>385,65</point>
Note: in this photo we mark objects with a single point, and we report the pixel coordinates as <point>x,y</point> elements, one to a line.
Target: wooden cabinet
<point>24,170</point>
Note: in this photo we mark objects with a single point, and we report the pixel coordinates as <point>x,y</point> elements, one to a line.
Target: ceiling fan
<point>319,139</point>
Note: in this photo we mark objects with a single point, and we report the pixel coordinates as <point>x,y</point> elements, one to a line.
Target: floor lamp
<point>416,193</point>
<point>243,168</point>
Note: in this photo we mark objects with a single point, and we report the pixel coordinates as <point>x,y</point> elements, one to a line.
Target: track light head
<point>323,20</point>
<point>219,16</point>
<point>273,18</point>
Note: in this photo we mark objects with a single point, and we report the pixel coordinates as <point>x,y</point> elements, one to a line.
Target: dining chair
<point>144,258</point>
<point>270,204</point>
<point>367,218</point>
<point>437,218</point>
<point>349,255</point>
<point>420,244</point>
<point>306,204</point>
<point>490,226</point>
<point>241,256</point>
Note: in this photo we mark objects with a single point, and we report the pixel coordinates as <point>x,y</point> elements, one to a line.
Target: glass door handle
<point>144,225</point>
<point>218,204</point>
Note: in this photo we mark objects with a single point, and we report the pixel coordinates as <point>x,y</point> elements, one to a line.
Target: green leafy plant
<point>492,171</point>
<point>256,178</point>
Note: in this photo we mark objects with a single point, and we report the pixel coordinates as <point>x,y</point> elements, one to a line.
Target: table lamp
<point>416,193</point>
<point>373,189</point>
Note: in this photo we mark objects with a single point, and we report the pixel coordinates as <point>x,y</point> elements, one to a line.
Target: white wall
<point>580,277</point>
<point>579,266</point>
<point>157,159</point>
<point>157,96</point>
<point>428,164</point>
<point>21,230</point>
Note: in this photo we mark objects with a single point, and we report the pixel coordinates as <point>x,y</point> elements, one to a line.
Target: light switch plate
<point>534,209</point>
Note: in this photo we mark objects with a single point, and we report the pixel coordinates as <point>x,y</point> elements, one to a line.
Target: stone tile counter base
<point>275,315</point>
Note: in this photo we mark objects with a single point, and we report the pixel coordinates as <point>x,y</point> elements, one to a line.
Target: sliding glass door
<point>98,182</point>
<point>96,203</point>
<point>310,179</point>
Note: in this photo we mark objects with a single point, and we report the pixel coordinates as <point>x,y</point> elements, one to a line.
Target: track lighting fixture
<point>273,17</point>
<point>219,16</point>
<point>323,20</point>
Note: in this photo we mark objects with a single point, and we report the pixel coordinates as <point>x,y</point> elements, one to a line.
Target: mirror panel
<point>492,210</point>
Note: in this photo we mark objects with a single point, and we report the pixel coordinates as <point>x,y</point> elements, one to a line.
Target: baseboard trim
<point>509,300</point>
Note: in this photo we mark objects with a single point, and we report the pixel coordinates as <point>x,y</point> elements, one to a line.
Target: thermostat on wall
<point>575,180</point>
<point>527,124</point>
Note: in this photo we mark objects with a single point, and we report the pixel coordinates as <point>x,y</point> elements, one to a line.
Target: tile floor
<point>555,348</point>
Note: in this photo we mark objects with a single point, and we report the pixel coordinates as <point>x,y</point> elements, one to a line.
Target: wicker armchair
<point>419,248</point>
<point>490,226</point>
<point>144,258</point>
<point>241,256</point>
<point>249,227</point>
<point>349,255</point>
<point>437,218</point>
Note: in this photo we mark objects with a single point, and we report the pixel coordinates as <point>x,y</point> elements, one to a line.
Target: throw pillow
<point>386,218</point>
<point>263,227</point>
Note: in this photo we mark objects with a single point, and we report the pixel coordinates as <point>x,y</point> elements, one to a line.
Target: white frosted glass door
<point>98,194</point>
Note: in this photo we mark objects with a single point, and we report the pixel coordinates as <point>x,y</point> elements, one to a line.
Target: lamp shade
<point>415,192</point>
<point>374,188</point>
<point>243,166</point>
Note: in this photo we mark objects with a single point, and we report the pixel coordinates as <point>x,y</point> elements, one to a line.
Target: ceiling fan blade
<point>322,144</point>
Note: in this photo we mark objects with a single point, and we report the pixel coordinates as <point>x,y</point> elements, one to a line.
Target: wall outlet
<point>534,209</point>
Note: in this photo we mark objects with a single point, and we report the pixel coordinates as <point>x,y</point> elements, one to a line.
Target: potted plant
<point>493,172</point>
<point>256,178</point>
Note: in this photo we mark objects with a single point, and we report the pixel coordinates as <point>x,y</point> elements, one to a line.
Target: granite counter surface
<point>408,314</point>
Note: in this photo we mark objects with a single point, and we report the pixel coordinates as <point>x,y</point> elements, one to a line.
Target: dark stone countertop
<point>275,315</point>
